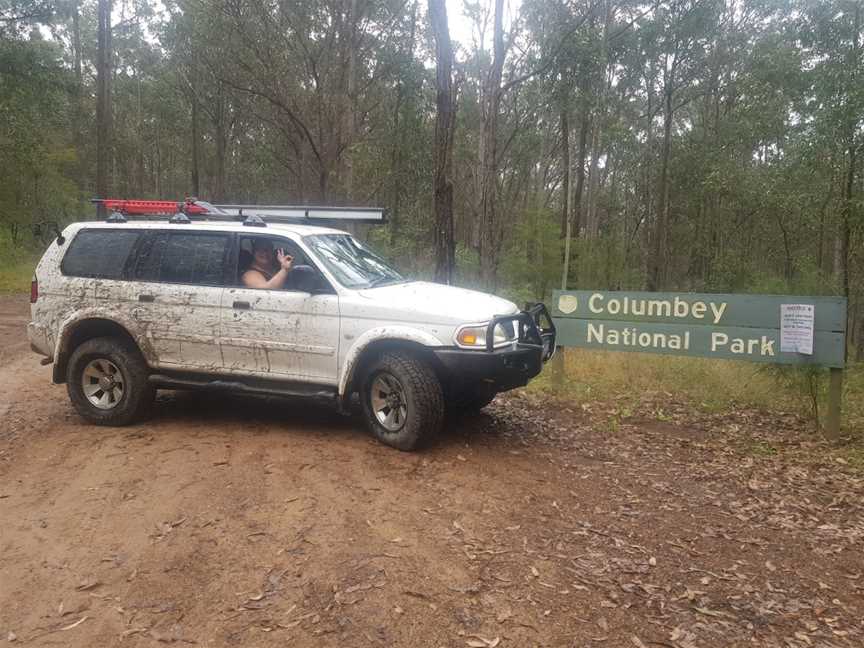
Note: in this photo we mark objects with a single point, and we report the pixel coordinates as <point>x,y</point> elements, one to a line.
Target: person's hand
<point>285,260</point>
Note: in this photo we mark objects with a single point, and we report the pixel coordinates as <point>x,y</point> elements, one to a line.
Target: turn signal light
<point>467,337</point>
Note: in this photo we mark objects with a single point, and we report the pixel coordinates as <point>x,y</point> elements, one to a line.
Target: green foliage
<point>532,266</point>
<point>38,160</point>
<point>307,102</point>
<point>16,265</point>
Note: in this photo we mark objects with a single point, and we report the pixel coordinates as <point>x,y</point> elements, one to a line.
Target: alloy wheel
<point>102,383</point>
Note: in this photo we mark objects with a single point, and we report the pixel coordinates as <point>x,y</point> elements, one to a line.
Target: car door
<point>177,282</point>
<point>289,333</point>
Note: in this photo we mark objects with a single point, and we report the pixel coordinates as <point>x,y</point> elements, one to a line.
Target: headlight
<point>473,336</point>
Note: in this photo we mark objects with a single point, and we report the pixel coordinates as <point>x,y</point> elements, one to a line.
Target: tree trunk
<point>491,232</point>
<point>581,157</point>
<point>347,127</point>
<point>445,123</point>
<point>592,222</point>
<point>396,150</point>
<point>196,178</point>
<point>847,208</point>
<point>565,164</point>
<point>139,161</point>
<point>103,103</point>
<point>78,106</point>
<point>592,225</point>
<point>658,248</point>
<point>845,237</point>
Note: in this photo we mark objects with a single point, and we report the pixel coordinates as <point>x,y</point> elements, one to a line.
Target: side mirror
<point>306,279</point>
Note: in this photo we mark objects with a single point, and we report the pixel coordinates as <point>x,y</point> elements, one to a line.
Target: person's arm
<point>255,279</point>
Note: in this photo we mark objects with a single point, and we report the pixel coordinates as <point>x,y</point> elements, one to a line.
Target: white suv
<point>123,308</point>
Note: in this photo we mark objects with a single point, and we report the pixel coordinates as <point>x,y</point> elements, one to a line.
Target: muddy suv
<point>125,307</point>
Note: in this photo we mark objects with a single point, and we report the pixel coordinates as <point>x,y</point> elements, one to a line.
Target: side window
<point>99,254</point>
<point>183,258</point>
<point>246,254</point>
<point>304,276</point>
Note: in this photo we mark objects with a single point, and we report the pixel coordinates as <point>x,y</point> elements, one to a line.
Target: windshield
<point>353,264</point>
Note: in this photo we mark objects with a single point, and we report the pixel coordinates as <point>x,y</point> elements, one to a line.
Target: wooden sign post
<point>778,329</point>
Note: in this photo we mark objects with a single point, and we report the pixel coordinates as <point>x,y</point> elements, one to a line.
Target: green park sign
<point>761,328</point>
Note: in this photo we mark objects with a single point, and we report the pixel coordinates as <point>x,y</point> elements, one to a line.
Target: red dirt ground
<point>254,522</point>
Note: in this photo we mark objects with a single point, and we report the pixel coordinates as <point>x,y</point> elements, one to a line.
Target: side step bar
<point>295,390</point>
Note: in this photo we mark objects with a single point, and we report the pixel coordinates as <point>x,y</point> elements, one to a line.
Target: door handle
<point>242,305</point>
<point>146,298</point>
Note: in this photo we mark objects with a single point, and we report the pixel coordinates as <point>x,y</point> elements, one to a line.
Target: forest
<point>704,145</point>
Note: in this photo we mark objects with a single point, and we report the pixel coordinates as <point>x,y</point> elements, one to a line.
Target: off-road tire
<point>423,398</point>
<point>468,400</point>
<point>138,394</point>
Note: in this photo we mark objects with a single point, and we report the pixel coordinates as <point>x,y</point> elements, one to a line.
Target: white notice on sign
<point>796,328</point>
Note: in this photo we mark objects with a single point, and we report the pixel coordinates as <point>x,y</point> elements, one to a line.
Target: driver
<point>267,271</point>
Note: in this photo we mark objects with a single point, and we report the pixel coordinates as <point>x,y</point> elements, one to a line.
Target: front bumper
<point>506,368</point>
<point>510,366</point>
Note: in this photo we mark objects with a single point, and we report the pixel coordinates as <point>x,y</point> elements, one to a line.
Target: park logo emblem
<point>568,304</point>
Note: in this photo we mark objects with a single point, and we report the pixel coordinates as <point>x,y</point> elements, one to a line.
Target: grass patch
<point>16,271</point>
<point>710,385</point>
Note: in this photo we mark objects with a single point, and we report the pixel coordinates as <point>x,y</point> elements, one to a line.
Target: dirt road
<point>247,522</point>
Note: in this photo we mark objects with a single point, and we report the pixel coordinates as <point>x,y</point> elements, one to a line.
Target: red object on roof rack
<point>189,206</point>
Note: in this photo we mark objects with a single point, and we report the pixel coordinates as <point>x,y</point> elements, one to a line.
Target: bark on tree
<point>78,98</point>
<point>103,101</point>
<point>445,123</point>
<point>348,127</point>
<point>139,159</point>
<point>592,224</point>
<point>396,188</point>
<point>565,164</point>
<point>581,157</point>
<point>847,208</point>
<point>658,247</point>
<point>491,230</point>
<point>196,178</point>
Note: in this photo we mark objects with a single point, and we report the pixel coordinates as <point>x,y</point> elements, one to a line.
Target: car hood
<point>432,302</point>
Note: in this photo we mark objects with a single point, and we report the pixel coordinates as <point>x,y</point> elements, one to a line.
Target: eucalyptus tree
<point>831,36</point>
<point>103,100</point>
<point>445,123</point>
<point>320,68</point>
<point>37,153</point>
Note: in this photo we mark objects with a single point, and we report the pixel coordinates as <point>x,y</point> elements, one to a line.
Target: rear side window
<point>183,258</point>
<point>99,254</point>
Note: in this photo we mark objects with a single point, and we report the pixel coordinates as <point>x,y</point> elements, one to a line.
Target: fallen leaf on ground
<point>77,623</point>
<point>713,613</point>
